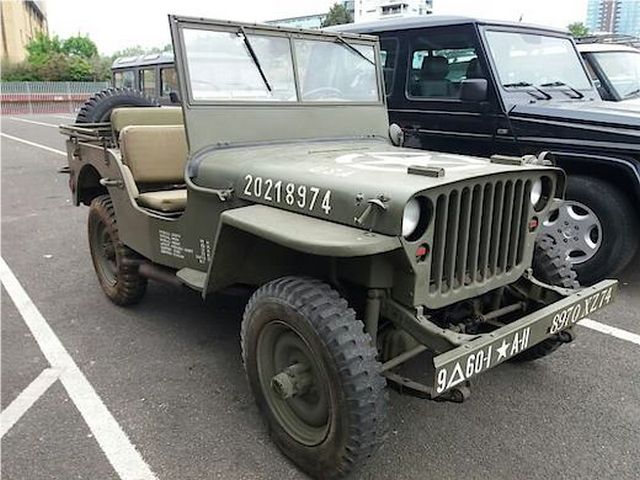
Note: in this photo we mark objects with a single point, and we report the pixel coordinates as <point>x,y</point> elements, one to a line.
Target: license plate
<point>460,364</point>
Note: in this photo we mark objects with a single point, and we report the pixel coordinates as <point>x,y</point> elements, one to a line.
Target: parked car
<point>153,74</point>
<point>614,69</point>
<point>464,85</point>
<point>279,171</point>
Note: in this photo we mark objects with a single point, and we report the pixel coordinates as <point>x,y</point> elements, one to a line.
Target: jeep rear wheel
<point>314,375</point>
<point>98,107</point>
<point>113,262</point>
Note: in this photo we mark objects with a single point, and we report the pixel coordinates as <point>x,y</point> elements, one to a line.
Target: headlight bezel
<point>546,193</point>
<point>421,216</point>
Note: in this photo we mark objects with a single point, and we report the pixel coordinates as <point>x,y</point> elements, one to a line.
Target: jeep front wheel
<point>112,260</point>
<point>551,266</point>
<point>314,375</point>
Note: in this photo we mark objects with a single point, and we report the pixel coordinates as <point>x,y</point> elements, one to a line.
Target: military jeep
<point>280,172</point>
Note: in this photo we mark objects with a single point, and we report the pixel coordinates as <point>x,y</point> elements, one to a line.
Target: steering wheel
<point>323,92</point>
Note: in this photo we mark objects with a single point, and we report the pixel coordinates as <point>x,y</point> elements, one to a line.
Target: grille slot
<point>479,233</point>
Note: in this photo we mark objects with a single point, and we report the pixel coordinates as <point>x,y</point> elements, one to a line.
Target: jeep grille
<point>479,234</point>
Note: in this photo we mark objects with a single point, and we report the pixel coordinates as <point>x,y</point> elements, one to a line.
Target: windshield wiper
<point>254,57</point>
<point>342,41</point>
<point>633,93</point>
<point>558,83</point>
<point>530,85</point>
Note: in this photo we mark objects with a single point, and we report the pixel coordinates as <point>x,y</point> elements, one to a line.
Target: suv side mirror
<point>174,97</point>
<point>474,89</point>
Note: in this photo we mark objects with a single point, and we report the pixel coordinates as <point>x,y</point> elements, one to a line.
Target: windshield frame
<point>603,75</point>
<point>522,95</point>
<point>355,40</point>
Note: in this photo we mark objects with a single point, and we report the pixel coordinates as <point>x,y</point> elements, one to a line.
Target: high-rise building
<point>365,10</point>
<point>614,16</point>
<point>20,22</point>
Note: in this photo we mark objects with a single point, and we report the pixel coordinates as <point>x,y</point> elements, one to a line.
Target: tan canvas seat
<point>125,116</point>
<point>154,157</point>
<point>165,201</point>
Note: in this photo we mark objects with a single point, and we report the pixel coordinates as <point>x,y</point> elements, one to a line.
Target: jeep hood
<point>333,180</point>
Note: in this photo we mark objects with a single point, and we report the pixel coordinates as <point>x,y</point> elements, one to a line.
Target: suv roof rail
<point>616,38</point>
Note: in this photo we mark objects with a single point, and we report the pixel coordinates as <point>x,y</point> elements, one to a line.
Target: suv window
<point>148,82</point>
<point>388,59</point>
<point>124,79</point>
<point>439,62</point>
<point>168,81</point>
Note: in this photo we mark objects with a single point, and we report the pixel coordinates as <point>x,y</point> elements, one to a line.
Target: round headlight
<point>536,192</point>
<point>410,217</point>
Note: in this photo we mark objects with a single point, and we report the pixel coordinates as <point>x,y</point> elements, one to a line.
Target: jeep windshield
<point>622,70</point>
<point>238,66</point>
<point>544,66</point>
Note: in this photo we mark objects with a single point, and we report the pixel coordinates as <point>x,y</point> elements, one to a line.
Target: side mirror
<point>474,90</point>
<point>174,97</point>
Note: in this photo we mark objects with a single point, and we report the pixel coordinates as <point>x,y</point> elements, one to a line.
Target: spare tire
<point>98,108</point>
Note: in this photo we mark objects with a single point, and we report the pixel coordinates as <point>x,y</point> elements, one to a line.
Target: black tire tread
<point>620,223</point>
<point>100,104</point>
<point>353,354</point>
<point>130,285</point>
<point>549,266</point>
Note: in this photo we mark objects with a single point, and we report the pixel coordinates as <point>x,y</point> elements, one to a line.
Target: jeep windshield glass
<point>221,66</point>
<point>227,66</point>
<point>622,70</point>
<point>533,60</point>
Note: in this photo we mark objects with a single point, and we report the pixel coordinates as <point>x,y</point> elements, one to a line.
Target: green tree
<point>578,29</point>
<point>40,48</point>
<point>80,46</point>
<point>338,15</point>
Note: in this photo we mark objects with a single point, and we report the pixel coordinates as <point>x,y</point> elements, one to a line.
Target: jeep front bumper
<point>465,356</point>
<point>488,350</point>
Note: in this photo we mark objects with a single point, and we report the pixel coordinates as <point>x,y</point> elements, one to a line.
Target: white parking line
<point>33,144</point>
<point>613,331</point>
<point>119,450</point>
<point>26,399</point>
<point>53,125</point>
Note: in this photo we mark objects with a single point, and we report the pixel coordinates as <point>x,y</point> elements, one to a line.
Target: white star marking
<point>502,351</point>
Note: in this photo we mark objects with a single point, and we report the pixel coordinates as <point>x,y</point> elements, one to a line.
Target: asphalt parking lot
<point>158,390</point>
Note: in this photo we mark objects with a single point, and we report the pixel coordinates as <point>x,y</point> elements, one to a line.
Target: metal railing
<point>45,97</point>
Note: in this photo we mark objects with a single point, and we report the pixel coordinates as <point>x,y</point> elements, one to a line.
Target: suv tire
<point>336,420</point>
<point>551,267</point>
<point>99,106</point>
<point>617,222</point>
<point>113,262</point>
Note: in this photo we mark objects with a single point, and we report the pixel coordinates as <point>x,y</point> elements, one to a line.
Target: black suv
<point>478,87</point>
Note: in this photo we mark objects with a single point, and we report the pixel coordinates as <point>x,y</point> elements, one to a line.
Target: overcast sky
<point>117,24</point>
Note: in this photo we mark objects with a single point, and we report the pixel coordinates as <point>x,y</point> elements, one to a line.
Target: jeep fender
<point>268,242</point>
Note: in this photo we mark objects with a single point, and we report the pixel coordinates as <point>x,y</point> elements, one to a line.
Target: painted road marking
<point>33,144</point>
<point>53,125</point>
<point>26,399</point>
<point>608,330</point>
<point>121,453</point>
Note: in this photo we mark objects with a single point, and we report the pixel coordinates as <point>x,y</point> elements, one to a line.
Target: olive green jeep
<point>279,171</point>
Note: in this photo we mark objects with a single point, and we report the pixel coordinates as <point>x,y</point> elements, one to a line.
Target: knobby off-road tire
<point>99,106</point>
<point>552,267</point>
<point>338,418</point>
<point>120,280</point>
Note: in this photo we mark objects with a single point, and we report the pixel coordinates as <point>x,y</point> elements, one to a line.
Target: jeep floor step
<point>192,278</point>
